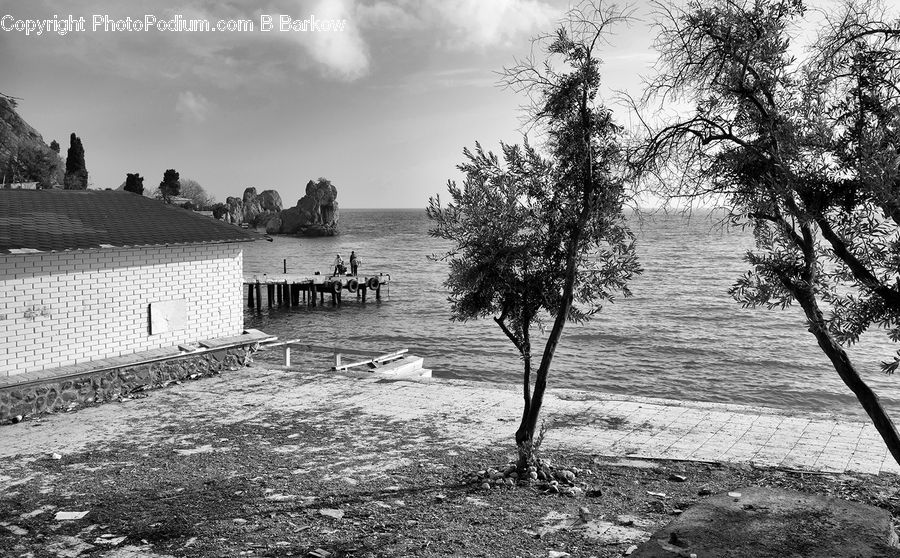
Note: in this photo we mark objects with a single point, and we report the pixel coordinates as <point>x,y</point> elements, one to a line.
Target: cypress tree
<point>76,172</point>
<point>170,186</point>
<point>134,183</point>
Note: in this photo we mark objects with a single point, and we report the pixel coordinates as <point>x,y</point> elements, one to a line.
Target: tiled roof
<point>61,220</point>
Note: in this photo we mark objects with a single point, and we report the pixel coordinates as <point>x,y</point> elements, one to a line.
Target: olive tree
<point>801,146</point>
<point>539,235</point>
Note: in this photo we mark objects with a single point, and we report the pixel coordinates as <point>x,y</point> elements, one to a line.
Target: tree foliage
<point>34,163</point>
<point>802,150</point>
<point>219,210</point>
<point>170,186</point>
<point>542,236</point>
<point>194,192</point>
<point>76,177</point>
<point>134,183</point>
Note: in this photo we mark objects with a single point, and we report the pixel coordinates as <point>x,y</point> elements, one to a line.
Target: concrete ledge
<point>67,387</point>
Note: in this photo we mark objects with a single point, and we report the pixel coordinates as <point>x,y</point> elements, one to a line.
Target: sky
<point>382,107</point>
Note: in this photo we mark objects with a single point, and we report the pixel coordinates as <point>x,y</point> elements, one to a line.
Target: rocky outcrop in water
<point>256,210</point>
<point>316,213</point>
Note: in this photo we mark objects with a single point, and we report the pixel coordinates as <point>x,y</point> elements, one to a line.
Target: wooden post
<point>338,297</point>
<point>258,296</point>
<point>250,295</point>
<point>364,288</point>
<point>333,299</point>
<point>279,294</point>
<point>378,292</point>
<point>270,294</point>
<point>287,355</point>
<point>337,360</point>
<point>285,267</point>
<point>312,294</point>
<point>322,294</point>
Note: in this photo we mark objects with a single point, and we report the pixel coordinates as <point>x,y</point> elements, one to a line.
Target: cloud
<point>192,107</point>
<point>498,22</point>
<point>372,27</point>
<point>461,24</point>
<point>341,53</point>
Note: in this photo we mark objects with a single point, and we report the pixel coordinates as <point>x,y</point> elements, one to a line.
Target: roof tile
<point>61,220</point>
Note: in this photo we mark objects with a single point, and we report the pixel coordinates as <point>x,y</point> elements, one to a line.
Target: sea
<point>679,336</point>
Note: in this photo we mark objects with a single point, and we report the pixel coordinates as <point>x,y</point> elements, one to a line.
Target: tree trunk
<point>845,369</point>
<point>588,192</point>
<point>523,441</point>
<point>521,436</point>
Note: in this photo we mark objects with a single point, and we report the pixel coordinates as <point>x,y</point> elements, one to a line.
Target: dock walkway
<point>296,290</point>
<point>467,414</point>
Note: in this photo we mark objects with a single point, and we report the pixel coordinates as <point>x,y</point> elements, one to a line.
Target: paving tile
<point>479,414</point>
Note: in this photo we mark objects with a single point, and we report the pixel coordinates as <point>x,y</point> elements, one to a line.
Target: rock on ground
<point>759,522</point>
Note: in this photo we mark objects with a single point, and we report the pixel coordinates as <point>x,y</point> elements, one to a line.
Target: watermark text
<point>63,25</point>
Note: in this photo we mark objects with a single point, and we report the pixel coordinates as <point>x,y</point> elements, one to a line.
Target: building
<point>90,280</point>
<point>21,186</point>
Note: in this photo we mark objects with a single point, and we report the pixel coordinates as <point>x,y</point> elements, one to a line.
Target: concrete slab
<point>759,522</point>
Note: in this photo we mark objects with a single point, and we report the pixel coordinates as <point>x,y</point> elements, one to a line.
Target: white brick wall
<point>74,307</point>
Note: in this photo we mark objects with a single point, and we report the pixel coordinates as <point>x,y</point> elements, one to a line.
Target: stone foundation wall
<point>54,395</point>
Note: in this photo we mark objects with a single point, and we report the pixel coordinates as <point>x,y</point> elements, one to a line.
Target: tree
<point>804,151</point>
<point>219,210</point>
<point>76,177</point>
<point>543,236</point>
<point>54,145</point>
<point>170,186</point>
<point>34,163</point>
<point>193,191</point>
<point>134,183</point>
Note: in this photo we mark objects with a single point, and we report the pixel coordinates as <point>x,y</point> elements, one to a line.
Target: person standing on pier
<point>338,265</point>
<point>353,262</point>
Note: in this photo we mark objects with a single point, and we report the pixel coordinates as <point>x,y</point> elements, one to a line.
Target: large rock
<point>256,210</point>
<point>234,210</point>
<point>316,213</point>
<point>759,522</point>
<point>269,201</point>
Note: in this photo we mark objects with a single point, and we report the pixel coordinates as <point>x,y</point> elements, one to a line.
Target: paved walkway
<point>475,415</point>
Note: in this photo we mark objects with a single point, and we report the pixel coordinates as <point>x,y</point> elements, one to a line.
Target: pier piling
<point>292,291</point>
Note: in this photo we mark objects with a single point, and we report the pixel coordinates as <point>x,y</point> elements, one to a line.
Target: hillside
<point>24,157</point>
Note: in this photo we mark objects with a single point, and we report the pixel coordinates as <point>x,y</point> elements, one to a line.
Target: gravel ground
<point>176,480</point>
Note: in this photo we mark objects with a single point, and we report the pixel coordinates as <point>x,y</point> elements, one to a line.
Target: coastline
<point>471,414</point>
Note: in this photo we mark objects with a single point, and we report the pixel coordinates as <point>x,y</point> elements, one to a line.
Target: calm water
<point>680,336</point>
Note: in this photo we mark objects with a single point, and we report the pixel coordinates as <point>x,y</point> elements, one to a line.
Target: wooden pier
<point>292,290</point>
